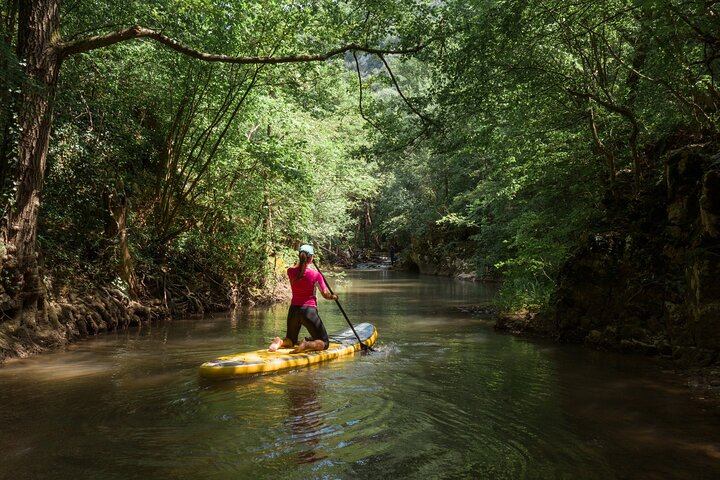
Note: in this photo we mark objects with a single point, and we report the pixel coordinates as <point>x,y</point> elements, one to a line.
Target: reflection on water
<point>443,396</point>
<point>305,420</point>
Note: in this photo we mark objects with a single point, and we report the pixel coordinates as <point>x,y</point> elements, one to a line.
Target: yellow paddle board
<point>262,361</point>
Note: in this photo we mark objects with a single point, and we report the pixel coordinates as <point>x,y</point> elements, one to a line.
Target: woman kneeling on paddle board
<point>303,307</point>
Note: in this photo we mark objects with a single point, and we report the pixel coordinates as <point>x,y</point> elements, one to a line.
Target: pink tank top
<point>303,290</point>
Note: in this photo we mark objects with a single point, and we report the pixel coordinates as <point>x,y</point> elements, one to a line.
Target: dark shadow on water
<point>638,414</point>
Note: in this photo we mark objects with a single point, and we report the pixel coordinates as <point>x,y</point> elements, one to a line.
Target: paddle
<point>362,345</point>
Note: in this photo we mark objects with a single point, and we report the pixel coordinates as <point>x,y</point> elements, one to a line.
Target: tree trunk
<point>24,304</point>
<point>127,267</point>
<point>607,152</point>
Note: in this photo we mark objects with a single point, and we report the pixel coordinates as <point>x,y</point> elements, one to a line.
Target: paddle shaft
<point>362,345</point>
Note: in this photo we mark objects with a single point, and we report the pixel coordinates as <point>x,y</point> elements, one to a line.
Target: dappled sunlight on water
<point>442,396</point>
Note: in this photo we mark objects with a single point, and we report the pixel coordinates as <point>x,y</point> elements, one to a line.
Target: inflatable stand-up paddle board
<point>262,361</point>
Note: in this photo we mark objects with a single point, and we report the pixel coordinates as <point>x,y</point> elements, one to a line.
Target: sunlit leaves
<point>219,166</point>
<point>518,87</point>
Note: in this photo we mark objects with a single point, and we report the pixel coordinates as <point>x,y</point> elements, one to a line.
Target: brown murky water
<point>443,397</point>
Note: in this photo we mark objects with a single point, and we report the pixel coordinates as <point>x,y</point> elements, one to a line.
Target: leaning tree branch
<point>630,117</point>
<point>360,88</point>
<point>87,44</point>
<point>424,119</point>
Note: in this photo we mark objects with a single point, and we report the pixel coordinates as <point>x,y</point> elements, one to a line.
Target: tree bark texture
<point>24,297</point>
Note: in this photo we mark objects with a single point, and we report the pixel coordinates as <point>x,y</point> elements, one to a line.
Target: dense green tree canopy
<point>199,141</point>
<point>538,117</point>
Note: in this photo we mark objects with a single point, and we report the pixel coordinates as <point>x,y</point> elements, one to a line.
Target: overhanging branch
<point>87,44</point>
<point>360,90</point>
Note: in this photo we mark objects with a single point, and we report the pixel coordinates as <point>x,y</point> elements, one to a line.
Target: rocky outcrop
<point>651,282</point>
<point>454,264</point>
<point>428,264</point>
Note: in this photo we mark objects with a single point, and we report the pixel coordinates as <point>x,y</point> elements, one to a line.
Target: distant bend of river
<point>444,396</point>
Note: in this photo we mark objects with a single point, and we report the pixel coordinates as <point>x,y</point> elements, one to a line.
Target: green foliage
<point>539,109</point>
<point>515,121</point>
<point>215,167</point>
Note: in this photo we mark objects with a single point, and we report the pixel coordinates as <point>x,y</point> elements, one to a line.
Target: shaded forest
<point>166,159</point>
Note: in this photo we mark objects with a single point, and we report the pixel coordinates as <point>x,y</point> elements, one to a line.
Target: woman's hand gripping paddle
<point>362,345</point>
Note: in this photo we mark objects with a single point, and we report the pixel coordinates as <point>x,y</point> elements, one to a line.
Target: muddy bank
<point>77,315</point>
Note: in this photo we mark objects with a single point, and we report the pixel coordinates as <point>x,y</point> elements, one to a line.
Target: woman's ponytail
<point>303,264</point>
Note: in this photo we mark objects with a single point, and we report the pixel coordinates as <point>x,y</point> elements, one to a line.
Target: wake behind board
<point>261,361</point>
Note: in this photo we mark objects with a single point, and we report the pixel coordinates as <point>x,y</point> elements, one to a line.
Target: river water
<point>444,396</point>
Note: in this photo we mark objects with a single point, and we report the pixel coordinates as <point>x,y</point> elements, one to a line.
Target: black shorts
<point>307,317</point>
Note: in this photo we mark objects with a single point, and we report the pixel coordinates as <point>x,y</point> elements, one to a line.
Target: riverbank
<point>76,317</point>
<point>69,316</point>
